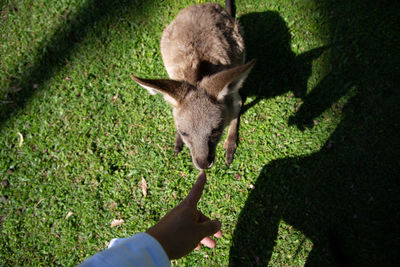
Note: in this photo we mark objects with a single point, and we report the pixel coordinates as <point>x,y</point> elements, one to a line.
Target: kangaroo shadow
<point>278,68</point>
<point>344,197</point>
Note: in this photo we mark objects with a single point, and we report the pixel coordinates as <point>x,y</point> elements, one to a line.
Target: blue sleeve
<point>139,250</point>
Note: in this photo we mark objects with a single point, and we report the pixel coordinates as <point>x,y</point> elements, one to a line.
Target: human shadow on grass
<point>344,197</point>
<point>59,50</point>
<point>278,69</point>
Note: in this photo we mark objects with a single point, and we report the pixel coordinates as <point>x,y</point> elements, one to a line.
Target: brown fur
<point>201,35</point>
<point>203,53</point>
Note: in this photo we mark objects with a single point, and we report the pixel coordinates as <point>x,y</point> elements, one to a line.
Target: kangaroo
<point>204,53</point>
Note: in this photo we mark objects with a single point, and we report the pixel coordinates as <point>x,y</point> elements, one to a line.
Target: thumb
<point>210,227</point>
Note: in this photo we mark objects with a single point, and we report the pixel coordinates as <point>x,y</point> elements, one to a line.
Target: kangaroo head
<point>199,119</point>
<point>200,110</point>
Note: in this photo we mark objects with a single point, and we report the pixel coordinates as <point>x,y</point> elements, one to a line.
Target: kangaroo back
<point>200,41</point>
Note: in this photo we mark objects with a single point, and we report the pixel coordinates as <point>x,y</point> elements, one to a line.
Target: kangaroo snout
<point>207,160</point>
<point>203,160</point>
<point>203,164</point>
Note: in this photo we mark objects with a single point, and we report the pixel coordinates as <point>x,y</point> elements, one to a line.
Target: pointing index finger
<point>195,193</point>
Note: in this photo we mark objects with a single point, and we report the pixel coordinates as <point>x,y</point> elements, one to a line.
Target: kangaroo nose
<point>204,164</point>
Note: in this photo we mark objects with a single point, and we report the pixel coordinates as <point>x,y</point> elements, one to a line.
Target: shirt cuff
<point>139,250</point>
<point>146,241</point>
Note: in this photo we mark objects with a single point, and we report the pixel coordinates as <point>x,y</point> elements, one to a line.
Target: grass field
<point>315,179</point>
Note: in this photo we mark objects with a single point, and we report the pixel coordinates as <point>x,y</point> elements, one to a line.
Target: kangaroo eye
<point>183,133</point>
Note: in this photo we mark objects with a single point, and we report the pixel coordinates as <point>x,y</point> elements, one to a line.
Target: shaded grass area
<point>343,196</point>
<point>316,163</point>
<point>49,47</point>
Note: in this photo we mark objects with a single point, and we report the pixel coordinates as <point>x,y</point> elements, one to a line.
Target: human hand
<point>184,228</point>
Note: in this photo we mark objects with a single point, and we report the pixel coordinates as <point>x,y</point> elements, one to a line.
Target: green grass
<point>315,175</point>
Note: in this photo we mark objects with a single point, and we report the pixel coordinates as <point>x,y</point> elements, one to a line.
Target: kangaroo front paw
<point>230,152</point>
<point>178,144</point>
<point>178,148</point>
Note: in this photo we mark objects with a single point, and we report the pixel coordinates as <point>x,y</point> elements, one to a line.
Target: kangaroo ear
<point>228,81</point>
<point>173,91</point>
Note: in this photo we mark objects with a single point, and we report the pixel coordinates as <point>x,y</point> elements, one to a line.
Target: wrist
<point>151,231</point>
